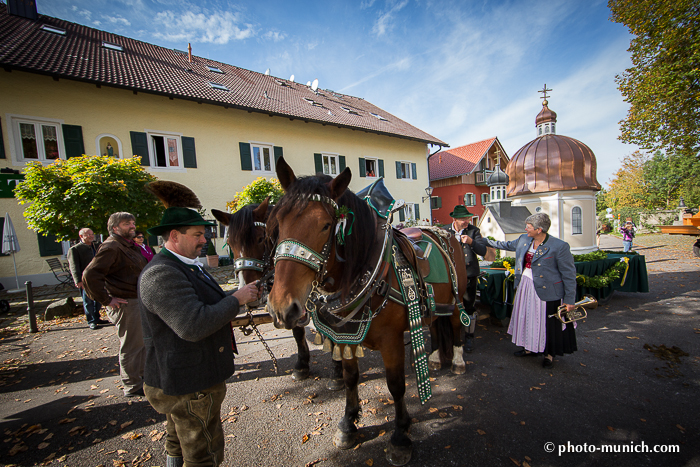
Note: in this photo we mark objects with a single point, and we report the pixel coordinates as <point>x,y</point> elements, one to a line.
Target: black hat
<point>174,218</point>
<point>461,212</point>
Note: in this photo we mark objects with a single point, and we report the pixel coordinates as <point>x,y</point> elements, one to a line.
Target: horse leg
<point>458,365</point>
<point>346,436</point>
<point>434,358</point>
<point>400,447</point>
<point>301,369</point>
<point>336,382</point>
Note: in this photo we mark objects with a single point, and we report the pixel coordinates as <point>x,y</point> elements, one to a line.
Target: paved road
<point>635,382</point>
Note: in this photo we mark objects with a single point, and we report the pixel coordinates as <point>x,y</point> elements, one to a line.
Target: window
<point>406,170</point>
<point>484,198</point>
<point>330,164</point>
<point>214,69</point>
<point>37,140</point>
<point>112,46</point>
<point>165,150</point>
<point>435,202</point>
<point>53,29</point>
<point>469,199</point>
<point>262,158</point>
<point>218,86</point>
<point>576,221</point>
<point>409,211</point>
<point>371,169</point>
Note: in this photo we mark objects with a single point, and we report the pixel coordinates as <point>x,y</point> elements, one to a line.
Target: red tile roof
<point>459,161</point>
<point>143,67</point>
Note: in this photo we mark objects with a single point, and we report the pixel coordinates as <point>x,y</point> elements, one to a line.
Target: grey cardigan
<point>553,270</point>
<point>186,327</point>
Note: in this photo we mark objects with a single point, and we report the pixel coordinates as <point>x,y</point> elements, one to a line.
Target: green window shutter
<point>139,146</point>
<point>402,217</point>
<point>341,163</point>
<point>318,163</point>
<point>398,170</point>
<point>189,155</point>
<point>417,211</point>
<point>2,143</point>
<point>277,150</point>
<point>48,246</point>
<point>381,167</point>
<point>73,140</point>
<point>438,203</point>
<point>246,159</point>
<point>413,169</point>
<point>363,167</point>
<point>2,230</point>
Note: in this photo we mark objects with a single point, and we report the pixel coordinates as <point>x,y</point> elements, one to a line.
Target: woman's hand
<point>570,307</point>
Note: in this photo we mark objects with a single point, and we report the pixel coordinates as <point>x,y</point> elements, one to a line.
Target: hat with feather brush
<point>181,206</point>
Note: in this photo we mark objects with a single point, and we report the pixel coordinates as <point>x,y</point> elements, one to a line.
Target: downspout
<point>430,204</point>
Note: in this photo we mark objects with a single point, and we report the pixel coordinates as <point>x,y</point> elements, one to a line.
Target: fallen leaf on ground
<point>369,462</point>
<point>304,439</point>
<point>481,432</point>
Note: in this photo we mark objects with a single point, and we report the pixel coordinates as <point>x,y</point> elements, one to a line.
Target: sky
<point>462,71</point>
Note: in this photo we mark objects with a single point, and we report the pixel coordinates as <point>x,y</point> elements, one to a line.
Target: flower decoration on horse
<point>342,214</point>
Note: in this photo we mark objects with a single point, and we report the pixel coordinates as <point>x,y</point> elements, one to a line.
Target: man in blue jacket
<point>187,333</point>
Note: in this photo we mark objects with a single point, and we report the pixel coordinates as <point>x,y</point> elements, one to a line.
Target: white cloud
<point>384,22</point>
<point>276,36</point>
<point>118,20</point>
<point>219,28</point>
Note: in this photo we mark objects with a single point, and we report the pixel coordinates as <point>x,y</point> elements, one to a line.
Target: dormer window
<point>112,46</point>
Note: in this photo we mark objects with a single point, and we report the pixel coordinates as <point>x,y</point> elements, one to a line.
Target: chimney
<point>23,8</point>
<point>189,52</point>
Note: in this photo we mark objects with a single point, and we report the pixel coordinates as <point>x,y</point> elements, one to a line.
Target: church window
<point>576,221</point>
<point>546,128</point>
<point>540,130</point>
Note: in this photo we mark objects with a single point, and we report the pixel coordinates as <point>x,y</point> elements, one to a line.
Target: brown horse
<point>310,263</point>
<point>251,251</point>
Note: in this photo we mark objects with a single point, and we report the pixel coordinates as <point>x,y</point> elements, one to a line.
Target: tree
<point>663,86</point>
<point>83,191</point>
<point>601,203</point>
<point>256,192</point>
<point>627,186</point>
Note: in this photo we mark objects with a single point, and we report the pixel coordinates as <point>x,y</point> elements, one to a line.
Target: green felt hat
<point>176,217</point>
<point>460,212</point>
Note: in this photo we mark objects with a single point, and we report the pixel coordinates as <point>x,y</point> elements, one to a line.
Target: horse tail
<point>445,339</point>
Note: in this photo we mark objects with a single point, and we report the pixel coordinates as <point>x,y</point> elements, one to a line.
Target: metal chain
<point>257,332</point>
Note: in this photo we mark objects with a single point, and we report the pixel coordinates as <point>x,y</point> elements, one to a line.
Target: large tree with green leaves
<point>68,195</point>
<point>668,177</point>
<point>627,186</point>
<point>663,85</point>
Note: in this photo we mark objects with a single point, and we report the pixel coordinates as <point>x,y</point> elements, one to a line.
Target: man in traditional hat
<point>111,279</point>
<point>187,330</point>
<point>470,237</point>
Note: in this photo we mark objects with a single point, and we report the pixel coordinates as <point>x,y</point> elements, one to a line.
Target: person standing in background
<point>79,256</point>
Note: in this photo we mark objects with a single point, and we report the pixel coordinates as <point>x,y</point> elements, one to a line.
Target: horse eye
<point>261,239</point>
<point>326,227</point>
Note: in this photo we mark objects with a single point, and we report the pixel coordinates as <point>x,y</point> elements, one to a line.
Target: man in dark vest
<point>79,256</point>
<point>187,331</point>
<point>470,237</point>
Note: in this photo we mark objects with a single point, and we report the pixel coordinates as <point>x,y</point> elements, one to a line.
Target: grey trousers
<point>194,430</point>
<point>132,352</point>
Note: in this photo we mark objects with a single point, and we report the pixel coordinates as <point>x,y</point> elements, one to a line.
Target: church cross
<point>544,92</point>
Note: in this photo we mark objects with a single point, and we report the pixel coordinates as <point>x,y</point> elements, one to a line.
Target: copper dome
<point>552,163</point>
<point>545,115</point>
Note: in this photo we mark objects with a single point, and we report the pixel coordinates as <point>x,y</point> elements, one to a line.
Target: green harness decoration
<point>407,283</point>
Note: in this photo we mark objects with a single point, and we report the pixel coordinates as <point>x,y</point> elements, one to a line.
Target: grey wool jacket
<point>186,327</point>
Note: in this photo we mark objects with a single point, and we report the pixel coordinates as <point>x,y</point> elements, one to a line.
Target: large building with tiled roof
<point>458,176</point>
<point>70,90</point>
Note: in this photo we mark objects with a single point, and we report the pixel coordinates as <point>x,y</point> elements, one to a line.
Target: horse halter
<point>250,264</point>
<point>294,250</point>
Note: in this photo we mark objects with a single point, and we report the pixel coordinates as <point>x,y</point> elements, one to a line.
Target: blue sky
<point>462,70</point>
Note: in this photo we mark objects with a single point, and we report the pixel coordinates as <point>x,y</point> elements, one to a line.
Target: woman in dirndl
<point>545,277</point>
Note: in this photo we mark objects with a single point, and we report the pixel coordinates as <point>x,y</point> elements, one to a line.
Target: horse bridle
<point>250,264</point>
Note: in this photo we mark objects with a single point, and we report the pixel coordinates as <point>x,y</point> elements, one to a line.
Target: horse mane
<point>358,246</point>
<point>241,225</point>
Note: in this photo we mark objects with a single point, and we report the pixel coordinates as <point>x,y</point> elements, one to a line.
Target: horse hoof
<point>343,440</point>
<point>300,375</point>
<point>398,455</point>
<point>335,384</point>
<point>459,369</point>
<point>434,365</point>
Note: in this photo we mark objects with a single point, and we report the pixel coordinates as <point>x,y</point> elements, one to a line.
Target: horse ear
<point>260,212</point>
<point>221,216</point>
<point>340,183</point>
<point>285,173</point>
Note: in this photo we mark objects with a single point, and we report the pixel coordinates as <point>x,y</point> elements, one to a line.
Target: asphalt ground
<point>633,384</point>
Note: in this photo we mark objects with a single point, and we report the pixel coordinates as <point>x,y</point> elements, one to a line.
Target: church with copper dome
<point>554,174</point>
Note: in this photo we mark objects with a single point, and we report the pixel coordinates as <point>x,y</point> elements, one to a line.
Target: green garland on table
<point>608,276</point>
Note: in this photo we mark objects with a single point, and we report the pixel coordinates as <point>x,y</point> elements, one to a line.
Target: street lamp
<point>428,191</point>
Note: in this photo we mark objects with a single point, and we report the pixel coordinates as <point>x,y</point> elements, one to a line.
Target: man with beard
<point>111,279</point>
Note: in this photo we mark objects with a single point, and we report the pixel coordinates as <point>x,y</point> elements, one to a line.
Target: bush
<point>211,249</point>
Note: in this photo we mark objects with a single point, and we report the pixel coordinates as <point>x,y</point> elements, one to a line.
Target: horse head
<point>247,239</point>
<point>306,255</point>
